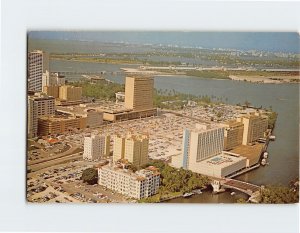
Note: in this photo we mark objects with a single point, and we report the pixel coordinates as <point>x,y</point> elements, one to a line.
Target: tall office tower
<point>70,93</point>
<point>139,93</point>
<point>94,147</point>
<point>38,105</point>
<point>36,66</point>
<point>118,148</point>
<point>233,135</point>
<point>255,127</point>
<point>199,144</point>
<point>136,149</point>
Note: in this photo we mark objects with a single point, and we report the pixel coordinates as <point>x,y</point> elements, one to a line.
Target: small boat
<point>197,191</point>
<point>232,193</point>
<point>272,137</point>
<point>265,155</point>
<point>187,194</point>
<point>263,162</point>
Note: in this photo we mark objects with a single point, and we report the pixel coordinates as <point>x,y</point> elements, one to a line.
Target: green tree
<point>90,176</point>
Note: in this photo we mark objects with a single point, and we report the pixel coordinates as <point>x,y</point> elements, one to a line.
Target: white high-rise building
<point>95,147</point>
<point>38,105</point>
<point>36,66</point>
<point>199,144</point>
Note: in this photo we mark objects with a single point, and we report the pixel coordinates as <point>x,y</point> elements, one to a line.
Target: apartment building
<point>38,105</point>
<point>95,147</point>
<point>132,148</point>
<point>141,184</point>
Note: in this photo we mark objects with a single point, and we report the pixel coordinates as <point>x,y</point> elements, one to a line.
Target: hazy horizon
<point>288,42</point>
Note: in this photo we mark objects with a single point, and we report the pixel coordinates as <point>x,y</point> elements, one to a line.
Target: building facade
<point>70,93</point>
<point>132,148</point>
<point>199,144</point>
<point>139,93</point>
<point>118,148</point>
<point>233,134</point>
<point>136,149</point>
<point>38,105</point>
<point>35,68</point>
<point>141,184</point>
<point>255,127</point>
<point>52,79</point>
<point>48,125</point>
<point>95,147</point>
<point>51,91</point>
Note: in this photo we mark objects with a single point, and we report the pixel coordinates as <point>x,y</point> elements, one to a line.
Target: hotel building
<point>141,184</point>
<point>95,147</point>
<point>199,144</point>
<point>233,134</point>
<point>255,127</point>
<point>38,105</point>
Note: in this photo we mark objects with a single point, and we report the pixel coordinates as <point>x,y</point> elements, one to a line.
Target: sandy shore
<point>264,79</point>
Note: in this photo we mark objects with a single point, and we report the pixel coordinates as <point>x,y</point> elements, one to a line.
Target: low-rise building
<point>59,124</point>
<point>93,116</point>
<point>141,184</point>
<point>222,165</point>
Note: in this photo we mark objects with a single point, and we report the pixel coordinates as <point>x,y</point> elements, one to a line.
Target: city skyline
<point>116,131</point>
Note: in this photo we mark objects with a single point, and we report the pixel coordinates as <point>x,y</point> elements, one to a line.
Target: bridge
<point>241,186</point>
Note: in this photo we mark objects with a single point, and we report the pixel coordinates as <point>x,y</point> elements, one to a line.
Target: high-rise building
<point>118,148</point>
<point>136,149</point>
<point>139,93</point>
<point>233,135</point>
<point>141,184</point>
<point>132,148</point>
<point>38,105</point>
<point>199,144</point>
<point>36,66</point>
<point>70,93</point>
<point>255,127</point>
<point>95,147</point>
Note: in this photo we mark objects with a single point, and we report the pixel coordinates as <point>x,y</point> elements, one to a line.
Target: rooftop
<point>222,160</point>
